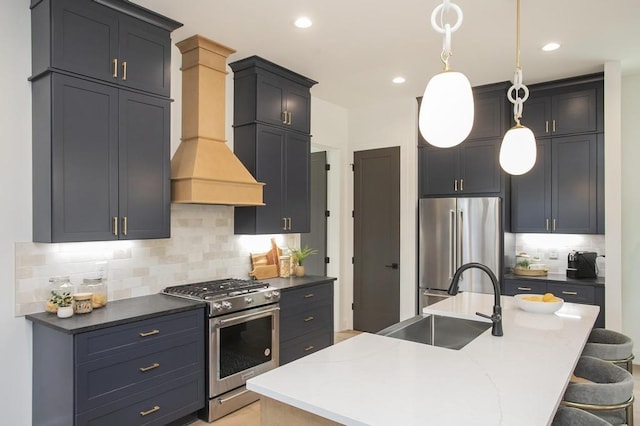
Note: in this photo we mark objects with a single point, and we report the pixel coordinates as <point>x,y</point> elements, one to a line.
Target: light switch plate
<point>553,254</point>
<point>101,269</point>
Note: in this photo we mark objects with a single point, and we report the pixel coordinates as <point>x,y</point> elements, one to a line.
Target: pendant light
<point>518,150</point>
<point>446,112</point>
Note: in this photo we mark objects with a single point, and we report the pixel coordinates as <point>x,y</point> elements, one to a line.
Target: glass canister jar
<point>98,289</point>
<point>58,286</point>
<point>82,303</point>
<point>285,266</point>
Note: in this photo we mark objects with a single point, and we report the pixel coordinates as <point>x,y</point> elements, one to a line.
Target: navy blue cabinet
<point>564,192</point>
<point>148,371</point>
<point>272,119</point>
<point>101,121</point>
<point>306,320</point>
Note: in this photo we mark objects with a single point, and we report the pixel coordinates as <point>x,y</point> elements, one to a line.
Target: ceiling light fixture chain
<point>445,28</point>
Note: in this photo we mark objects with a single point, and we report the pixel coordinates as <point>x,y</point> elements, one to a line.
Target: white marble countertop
<point>517,379</point>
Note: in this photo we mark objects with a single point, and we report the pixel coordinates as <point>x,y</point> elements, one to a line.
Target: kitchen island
<point>374,380</point>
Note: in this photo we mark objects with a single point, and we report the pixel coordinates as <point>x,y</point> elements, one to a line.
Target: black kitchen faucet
<point>496,317</point>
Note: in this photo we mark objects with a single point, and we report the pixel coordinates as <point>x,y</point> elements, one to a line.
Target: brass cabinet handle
<point>153,410</point>
<point>307,319</point>
<point>546,126</point>
<point>115,67</point>
<point>284,223</point>
<point>124,70</point>
<point>554,125</point>
<point>284,120</point>
<point>524,288</point>
<point>461,184</point>
<point>455,185</point>
<point>554,225</point>
<point>289,122</point>
<point>570,293</point>
<point>115,226</point>
<point>151,367</point>
<point>149,333</point>
<point>307,296</point>
<point>124,225</point>
<point>308,348</point>
<point>547,220</point>
<point>289,220</point>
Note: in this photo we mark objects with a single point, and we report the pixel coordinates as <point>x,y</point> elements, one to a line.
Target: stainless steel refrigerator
<point>452,232</point>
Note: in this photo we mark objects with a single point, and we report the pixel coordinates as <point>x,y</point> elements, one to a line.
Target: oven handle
<point>255,314</point>
<point>225,400</point>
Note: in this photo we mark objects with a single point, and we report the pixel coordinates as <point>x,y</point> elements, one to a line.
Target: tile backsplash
<point>202,247</point>
<point>547,246</point>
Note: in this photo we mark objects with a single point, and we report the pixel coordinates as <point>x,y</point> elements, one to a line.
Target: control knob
<point>217,307</point>
<point>248,300</point>
<point>226,305</point>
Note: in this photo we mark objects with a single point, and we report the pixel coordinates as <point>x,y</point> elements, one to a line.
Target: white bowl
<point>537,307</point>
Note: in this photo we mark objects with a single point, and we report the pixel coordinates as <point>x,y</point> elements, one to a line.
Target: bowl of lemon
<point>539,303</point>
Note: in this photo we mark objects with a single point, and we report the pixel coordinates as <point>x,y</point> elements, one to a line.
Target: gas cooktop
<point>228,294</point>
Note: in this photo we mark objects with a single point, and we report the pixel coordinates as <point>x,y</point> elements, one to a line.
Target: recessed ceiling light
<point>399,80</point>
<point>550,47</point>
<point>303,22</point>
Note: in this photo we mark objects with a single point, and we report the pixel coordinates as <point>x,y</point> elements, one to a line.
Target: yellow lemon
<point>548,297</point>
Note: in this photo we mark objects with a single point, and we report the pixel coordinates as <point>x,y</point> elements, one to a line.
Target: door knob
<point>392,266</point>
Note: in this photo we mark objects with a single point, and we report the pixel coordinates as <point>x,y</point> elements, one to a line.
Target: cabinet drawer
<point>157,406</point>
<point>303,322</point>
<point>513,287</point>
<point>304,345</point>
<point>301,299</point>
<point>113,340</point>
<point>118,376</point>
<point>572,293</point>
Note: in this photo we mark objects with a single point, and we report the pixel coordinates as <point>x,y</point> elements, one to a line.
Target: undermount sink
<point>452,333</point>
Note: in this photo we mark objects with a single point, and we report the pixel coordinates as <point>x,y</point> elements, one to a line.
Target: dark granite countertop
<point>559,278</point>
<point>285,284</point>
<point>118,312</point>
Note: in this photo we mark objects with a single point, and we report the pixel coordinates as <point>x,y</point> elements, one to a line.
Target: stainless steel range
<point>243,338</point>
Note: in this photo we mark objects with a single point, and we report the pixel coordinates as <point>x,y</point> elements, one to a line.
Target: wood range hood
<point>204,170</point>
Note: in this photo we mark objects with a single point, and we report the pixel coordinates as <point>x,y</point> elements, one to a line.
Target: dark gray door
<point>317,237</point>
<point>376,273</point>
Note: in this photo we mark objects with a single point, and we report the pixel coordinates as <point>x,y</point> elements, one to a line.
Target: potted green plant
<point>64,302</point>
<point>300,255</point>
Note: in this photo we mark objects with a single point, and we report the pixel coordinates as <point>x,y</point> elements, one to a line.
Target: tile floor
<point>250,415</point>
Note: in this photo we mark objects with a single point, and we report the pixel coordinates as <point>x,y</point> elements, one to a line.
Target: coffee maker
<point>582,264</point>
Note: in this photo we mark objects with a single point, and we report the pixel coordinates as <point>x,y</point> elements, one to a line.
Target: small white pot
<point>65,311</point>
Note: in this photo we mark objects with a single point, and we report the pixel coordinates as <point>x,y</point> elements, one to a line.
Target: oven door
<point>242,345</point>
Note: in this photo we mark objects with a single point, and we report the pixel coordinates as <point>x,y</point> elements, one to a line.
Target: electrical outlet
<point>101,269</point>
<point>553,254</point>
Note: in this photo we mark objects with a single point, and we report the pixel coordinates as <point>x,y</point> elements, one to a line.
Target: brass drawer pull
<point>306,296</point>
<point>307,319</point>
<point>153,410</point>
<point>524,288</point>
<point>308,348</point>
<point>149,333</point>
<point>570,293</point>
<point>151,367</point>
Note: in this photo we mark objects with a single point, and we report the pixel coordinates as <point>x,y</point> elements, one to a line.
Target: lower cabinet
<point>586,294</point>
<point>306,320</point>
<point>147,372</point>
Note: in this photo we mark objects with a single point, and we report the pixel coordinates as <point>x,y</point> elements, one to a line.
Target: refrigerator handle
<point>452,243</point>
<point>459,242</point>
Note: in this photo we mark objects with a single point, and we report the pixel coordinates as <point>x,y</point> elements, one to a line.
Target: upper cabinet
<point>563,109</point>
<point>100,41</point>
<point>101,134</point>
<point>271,138</point>
<point>564,192</point>
<point>471,168</point>
<point>267,93</point>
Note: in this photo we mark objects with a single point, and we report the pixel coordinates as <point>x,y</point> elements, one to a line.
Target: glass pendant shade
<point>446,112</point>
<point>518,151</point>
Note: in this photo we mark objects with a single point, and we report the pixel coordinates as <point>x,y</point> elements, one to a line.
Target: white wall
<point>15,215</point>
<point>384,125</point>
<point>631,209</point>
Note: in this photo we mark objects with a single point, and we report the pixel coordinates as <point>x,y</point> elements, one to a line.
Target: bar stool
<point>610,346</point>
<point>607,390</point>
<point>569,416</point>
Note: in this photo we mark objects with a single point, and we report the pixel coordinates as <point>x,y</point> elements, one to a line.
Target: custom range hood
<point>204,170</point>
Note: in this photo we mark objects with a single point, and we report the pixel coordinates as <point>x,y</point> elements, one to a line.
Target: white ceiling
<point>355,47</point>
